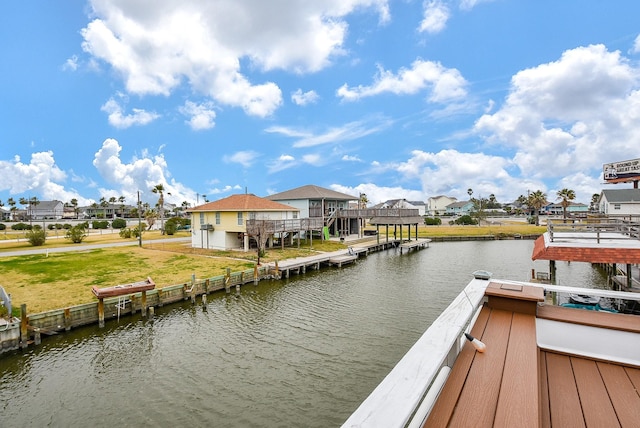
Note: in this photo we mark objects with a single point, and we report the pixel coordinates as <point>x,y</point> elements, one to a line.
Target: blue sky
<point>395,99</point>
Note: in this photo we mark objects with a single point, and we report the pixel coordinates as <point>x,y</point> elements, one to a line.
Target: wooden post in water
<point>255,275</point>
<point>101,312</point>
<point>143,304</point>
<point>152,312</point>
<point>227,280</point>
<point>24,326</point>
<point>67,319</point>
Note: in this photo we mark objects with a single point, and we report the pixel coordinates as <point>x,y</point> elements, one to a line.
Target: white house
<point>437,205</point>
<point>221,224</point>
<point>620,202</point>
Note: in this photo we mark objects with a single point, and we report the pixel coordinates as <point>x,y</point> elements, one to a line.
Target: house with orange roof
<point>222,224</point>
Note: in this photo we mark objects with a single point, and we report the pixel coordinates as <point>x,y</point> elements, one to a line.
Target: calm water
<point>302,352</point>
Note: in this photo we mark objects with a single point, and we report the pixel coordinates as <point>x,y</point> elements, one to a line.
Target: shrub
<point>3,226</point>
<point>76,234</point>
<point>100,224</point>
<point>170,228</point>
<point>119,223</point>
<point>125,233</point>
<point>21,226</point>
<point>432,221</point>
<point>36,237</point>
<point>465,219</point>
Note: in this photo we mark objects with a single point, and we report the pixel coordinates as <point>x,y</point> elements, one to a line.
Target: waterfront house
<point>46,210</point>
<point>574,209</point>
<point>222,224</point>
<point>437,205</point>
<point>620,202</point>
<point>460,208</point>
<point>317,202</point>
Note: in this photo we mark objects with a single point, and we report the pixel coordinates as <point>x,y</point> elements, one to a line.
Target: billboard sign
<point>619,172</point>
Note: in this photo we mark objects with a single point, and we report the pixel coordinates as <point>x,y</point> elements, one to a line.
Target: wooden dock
<point>339,258</point>
<point>414,245</point>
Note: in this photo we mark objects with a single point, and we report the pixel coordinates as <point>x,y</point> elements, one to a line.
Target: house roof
<point>45,205</point>
<point>621,195</point>
<point>311,192</point>
<point>460,204</point>
<point>610,250</point>
<point>243,202</point>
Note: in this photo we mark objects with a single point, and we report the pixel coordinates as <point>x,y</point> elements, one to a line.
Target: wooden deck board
<point>478,399</point>
<point>564,402</point>
<point>441,413</point>
<point>594,400</point>
<point>624,395</point>
<point>545,415</point>
<point>518,402</point>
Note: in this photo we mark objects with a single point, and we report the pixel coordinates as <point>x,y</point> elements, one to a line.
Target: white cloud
<point>569,116</point>
<point>244,158</point>
<point>378,194</point>
<point>636,45</point>
<point>350,158</point>
<point>470,4</point>
<point>436,15</point>
<point>156,50</point>
<point>41,176</point>
<point>282,163</point>
<point>444,84</point>
<point>201,116</point>
<point>303,98</point>
<point>140,174</point>
<point>71,63</point>
<point>118,119</point>
<point>348,132</point>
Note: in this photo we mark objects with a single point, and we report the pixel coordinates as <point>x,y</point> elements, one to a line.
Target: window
<point>201,218</point>
<point>616,206</point>
<point>217,218</point>
<point>295,215</point>
<point>240,221</point>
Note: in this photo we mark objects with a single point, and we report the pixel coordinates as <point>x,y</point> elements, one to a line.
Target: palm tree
<point>104,204</point>
<point>112,202</point>
<point>12,204</point>
<point>74,204</point>
<point>537,200</point>
<point>362,203</point>
<point>159,188</point>
<point>594,202</point>
<point>567,195</point>
<point>121,199</point>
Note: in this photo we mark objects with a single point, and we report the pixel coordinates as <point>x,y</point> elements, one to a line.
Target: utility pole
<point>139,222</point>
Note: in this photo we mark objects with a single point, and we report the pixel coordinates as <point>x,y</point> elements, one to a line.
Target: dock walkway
<point>359,247</point>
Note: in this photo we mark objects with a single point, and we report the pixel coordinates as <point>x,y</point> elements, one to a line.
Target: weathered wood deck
<point>416,244</point>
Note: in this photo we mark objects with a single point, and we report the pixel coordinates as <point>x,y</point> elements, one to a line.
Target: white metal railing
<point>406,395</point>
<point>595,229</point>
<point>400,394</point>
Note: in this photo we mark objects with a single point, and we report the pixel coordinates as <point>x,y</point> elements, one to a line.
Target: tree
<point>36,236</point>
<point>112,201</point>
<point>159,189</point>
<point>537,200</point>
<point>76,234</point>
<point>104,204</point>
<point>595,198</point>
<point>121,199</point>
<point>363,201</point>
<point>74,204</point>
<point>567,195</point>
<point>12,204</point>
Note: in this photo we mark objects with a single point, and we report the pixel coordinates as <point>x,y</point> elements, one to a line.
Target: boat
<point>584,299</point>
<point>124,289</point>
<point>588,307</point>
<point>503,355</point>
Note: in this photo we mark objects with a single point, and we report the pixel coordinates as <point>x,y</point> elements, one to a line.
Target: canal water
<point>302,352</point>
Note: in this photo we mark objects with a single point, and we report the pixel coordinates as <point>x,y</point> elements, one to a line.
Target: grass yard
<point>65,279</point>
